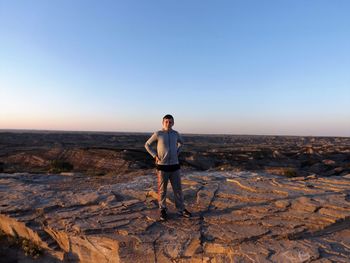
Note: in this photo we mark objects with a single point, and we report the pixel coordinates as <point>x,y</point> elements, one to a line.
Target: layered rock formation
<point>119,153</point>
<point>238,217</point>
<point>91,197</point>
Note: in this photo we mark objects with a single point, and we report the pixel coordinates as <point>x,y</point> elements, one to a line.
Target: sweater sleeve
<point>180,143</point>
<point>149,143</point>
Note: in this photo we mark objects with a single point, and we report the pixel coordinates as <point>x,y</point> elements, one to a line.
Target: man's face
<point>167,124</point>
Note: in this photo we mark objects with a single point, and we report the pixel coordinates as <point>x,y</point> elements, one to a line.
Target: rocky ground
<point>92,198</point>
<point>119,153</point>
<point>238,217</point>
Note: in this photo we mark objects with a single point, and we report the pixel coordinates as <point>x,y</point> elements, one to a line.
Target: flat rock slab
<point>237,217</point>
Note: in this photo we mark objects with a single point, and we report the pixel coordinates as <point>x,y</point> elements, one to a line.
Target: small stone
<point>282,204</point>
<point>328,162</point>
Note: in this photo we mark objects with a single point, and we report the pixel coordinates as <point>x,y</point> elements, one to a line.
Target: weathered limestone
<point>237,217</point>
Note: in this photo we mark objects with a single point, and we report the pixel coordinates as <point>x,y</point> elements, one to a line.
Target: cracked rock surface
<point>237,217</point>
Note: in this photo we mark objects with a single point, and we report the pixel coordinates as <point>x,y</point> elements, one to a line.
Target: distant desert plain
<point>92,197</point>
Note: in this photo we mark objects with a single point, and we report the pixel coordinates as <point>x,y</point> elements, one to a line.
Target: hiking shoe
<point>163,216</point>
<point>185,213</point>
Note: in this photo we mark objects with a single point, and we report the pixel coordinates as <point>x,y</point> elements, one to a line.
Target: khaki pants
<point>175,181</point>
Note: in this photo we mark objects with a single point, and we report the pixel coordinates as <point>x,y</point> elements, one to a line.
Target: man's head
<point>168,122</point>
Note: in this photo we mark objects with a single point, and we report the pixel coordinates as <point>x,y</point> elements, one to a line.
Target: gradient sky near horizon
<point>237,67</point>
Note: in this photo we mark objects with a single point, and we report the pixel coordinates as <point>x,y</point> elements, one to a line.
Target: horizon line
<point>150,132</point>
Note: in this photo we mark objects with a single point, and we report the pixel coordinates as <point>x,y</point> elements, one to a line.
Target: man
<point>169,143</point>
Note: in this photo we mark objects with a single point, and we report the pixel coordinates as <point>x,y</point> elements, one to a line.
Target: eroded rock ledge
<point>238,217</point>
<point>121,153</point>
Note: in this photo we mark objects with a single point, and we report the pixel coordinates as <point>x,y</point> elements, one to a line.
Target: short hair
<point>168,116</point>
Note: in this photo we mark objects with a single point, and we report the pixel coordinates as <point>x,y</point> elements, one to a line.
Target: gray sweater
<point>169,144</point>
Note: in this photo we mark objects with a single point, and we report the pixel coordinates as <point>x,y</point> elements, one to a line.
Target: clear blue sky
<point>240,67</point>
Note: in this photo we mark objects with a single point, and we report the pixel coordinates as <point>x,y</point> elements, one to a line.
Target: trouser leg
<point>175,180</point>
<point>163,178</point>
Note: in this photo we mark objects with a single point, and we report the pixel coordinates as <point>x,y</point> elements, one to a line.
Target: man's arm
<point>180,143</point>
<point>148,144</point>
